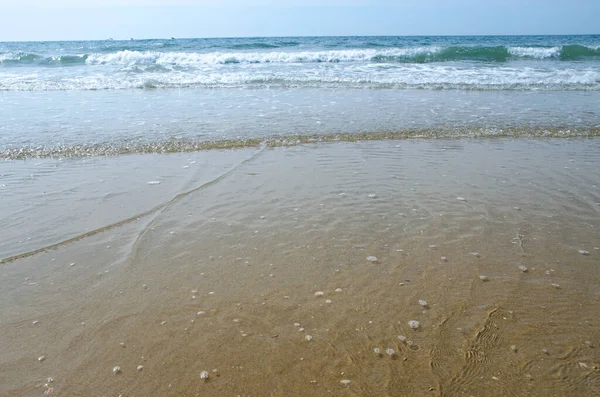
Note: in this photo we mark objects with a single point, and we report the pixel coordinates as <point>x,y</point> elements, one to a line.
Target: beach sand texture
<point>218,267</point>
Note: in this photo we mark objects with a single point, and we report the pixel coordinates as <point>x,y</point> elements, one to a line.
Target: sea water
<point>114,97</point>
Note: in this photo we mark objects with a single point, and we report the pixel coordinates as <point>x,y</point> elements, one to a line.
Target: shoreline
<point>275,141</point>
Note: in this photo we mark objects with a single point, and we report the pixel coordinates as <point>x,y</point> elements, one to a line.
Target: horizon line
<point>301,36</point>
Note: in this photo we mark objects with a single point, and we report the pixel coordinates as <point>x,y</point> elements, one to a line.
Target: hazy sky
<point>122,19</point>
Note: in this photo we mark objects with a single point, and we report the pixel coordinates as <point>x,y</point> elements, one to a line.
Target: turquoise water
<point>113,97</point>
<point>476,63</point>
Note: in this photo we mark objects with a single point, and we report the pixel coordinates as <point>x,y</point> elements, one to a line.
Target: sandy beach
<point>295,271</point>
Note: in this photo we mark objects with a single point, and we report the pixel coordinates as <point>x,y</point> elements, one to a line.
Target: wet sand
<point>219,275</point>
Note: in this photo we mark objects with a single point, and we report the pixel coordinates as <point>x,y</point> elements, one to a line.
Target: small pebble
<point>523,269</point>
<point>477,254</point>
<point>423,302</point>
<point>345,382</point>
<point>583,252</point>
<point>461,199</point>
<point>328,301</point>
<point>338,290</point>
<point>35,322</point>
<point>308,338</point>
<point>443,258</point>
<point>513,348</point>
<point>201,312</point>
<point>154,183</point>
<point>204,375</point>
<point>41,358</point>
<point>372,258</point>
<point>297,325</point>
<point>372,195</point>
<point>414,324</point>
<point>319,293</point>
<point>117,370</point>
<point>484,278</point>
<point>140,367</point>
<point>555,285</point>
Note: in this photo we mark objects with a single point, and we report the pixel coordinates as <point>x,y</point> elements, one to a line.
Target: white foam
<point>215,58</point>
<point>535,52</point>
<point>10,56</point>
<point>419,76</point>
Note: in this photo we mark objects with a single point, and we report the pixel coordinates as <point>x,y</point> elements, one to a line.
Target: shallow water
<point>279,224</point>
<point>84,123</point>
<point>46,201</point>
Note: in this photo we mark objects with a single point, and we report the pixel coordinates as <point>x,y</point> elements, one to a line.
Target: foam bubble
<point>403,76</point>
<point>535,52</point>
<point>127,57</point>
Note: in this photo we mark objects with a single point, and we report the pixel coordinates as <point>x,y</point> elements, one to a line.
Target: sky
<point>32,20</point>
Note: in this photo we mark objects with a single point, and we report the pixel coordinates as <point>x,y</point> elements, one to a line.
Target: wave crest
<point>267,53</point>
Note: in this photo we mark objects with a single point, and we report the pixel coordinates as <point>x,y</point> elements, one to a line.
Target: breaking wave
<point>423,54</point>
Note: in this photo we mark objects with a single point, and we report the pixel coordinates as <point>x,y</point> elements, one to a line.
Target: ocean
<point>567,63</point>
<point>96,97</point>
<point>306,216</point>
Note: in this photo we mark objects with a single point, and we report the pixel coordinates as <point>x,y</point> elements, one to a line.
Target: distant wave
<point>21,59</point>
<point>423,54</point>
<point>250,46</point>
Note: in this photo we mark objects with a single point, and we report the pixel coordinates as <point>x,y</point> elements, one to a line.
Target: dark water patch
<point>20,58</point>
<point>578,52</point>
<point>250,46</point>
<point>26,59</point>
